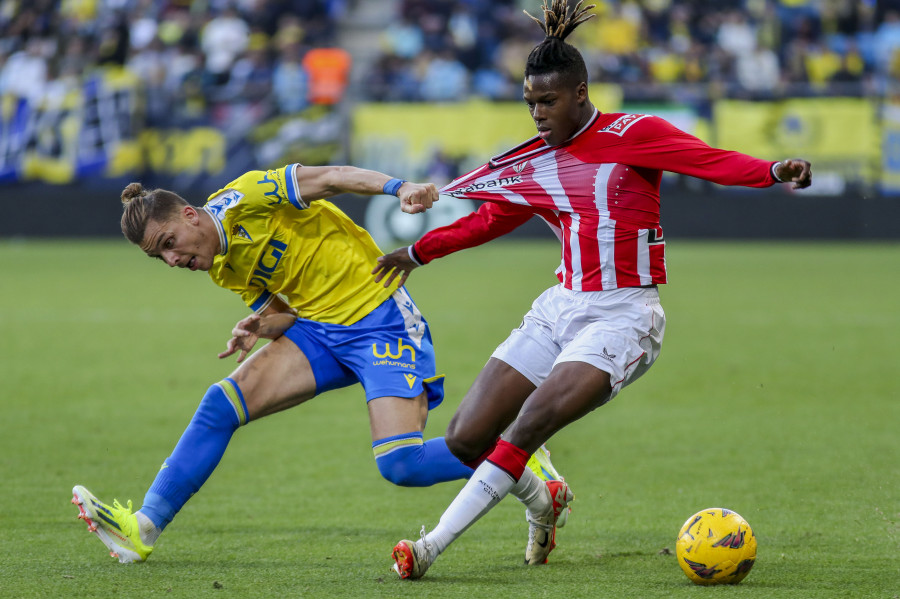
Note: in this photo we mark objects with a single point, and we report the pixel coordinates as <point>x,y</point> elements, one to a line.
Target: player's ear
<point>191,214</point>
<point>581,93</point>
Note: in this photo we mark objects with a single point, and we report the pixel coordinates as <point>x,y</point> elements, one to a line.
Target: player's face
<point>558,108</point>
<point>181,241</point>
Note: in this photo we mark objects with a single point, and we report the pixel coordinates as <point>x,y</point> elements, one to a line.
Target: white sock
<point>148,530</point>
<point>487,486</point>
<point>532,491</point>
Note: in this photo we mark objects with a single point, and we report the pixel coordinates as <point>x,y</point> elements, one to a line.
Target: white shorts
<point>618,331</point>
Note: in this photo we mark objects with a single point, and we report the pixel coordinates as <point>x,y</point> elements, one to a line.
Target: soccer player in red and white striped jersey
<point>594,178</point>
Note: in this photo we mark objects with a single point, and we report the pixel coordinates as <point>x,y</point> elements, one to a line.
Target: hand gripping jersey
<point>599,192</point>
<point>315,256</point>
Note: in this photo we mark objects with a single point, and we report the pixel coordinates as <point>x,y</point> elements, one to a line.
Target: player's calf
<point>408,461</point>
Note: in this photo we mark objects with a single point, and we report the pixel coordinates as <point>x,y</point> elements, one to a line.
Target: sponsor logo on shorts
<point>410,379</point>
<point>391,358</point>
<point>606,355</point>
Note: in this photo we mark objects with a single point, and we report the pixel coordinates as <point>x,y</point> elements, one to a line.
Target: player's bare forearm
<point>273,326</point>
<point>393,265</point>
<point>326,181</point>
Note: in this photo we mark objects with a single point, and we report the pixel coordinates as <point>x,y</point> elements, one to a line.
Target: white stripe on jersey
<point>601,182</point>
<point>575,252</point>
<point>606,228</point>
<point>549,180</point>
<point>643,257</point>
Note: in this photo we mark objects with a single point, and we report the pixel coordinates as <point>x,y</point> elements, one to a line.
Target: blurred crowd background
<point>188,94</point>
<point>211,61</point>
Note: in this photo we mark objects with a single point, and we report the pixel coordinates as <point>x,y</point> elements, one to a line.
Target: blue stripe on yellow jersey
<point>316,258</point>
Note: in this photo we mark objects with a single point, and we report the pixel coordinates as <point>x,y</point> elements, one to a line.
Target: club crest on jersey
<point>222,202</point>
<point>240,232</point>
<point>520,166</point>
<point>622,124</point>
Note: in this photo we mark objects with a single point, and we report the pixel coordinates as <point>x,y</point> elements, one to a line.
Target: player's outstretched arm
<point>271,324</point>
<point>796,171</point>
<point>397,263</point>
<point>319,182</point>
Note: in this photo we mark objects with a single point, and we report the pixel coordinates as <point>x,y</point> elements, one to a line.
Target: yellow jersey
<point>274,242</point>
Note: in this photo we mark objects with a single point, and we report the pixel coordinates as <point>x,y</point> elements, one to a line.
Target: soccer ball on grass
<point>716,546</point>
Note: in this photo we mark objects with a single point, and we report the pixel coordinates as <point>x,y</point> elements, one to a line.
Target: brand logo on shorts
<point>410,379</point>
<point>391,358</point>
<point>388,353</point>
<point>606,355</point>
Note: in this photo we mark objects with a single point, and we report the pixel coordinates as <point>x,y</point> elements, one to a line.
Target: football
<point>716,546</point>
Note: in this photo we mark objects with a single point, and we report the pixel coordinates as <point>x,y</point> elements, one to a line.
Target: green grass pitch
<point>776,395</point>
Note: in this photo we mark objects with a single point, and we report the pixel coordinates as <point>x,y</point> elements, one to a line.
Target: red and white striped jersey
<point>599,192</point>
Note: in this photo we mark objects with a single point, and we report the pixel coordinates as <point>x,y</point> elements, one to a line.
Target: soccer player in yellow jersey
<point>303,267</point>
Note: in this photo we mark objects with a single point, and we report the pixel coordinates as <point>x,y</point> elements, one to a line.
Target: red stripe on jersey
<point>626,252</point>
<point>565,219</point>
<point>540,195</point>
<point>591,265</point>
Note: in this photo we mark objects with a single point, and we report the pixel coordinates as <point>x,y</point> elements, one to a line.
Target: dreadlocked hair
<point>554,54</point>
<point>140,206</point>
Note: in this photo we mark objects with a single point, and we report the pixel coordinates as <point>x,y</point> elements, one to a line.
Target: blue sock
<point>407,461</point>
<point>221,411</point>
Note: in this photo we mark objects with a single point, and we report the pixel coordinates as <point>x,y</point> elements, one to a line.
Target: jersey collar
<point>223,238</point>
<point>517,154</point>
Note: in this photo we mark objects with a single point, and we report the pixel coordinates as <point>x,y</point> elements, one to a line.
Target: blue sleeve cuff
<point>293,188</point>
<point>263,301</point>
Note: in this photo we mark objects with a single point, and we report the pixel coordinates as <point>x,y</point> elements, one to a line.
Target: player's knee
<point>402,466</point>
<point>222,406</point>
<point>462,444</point>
